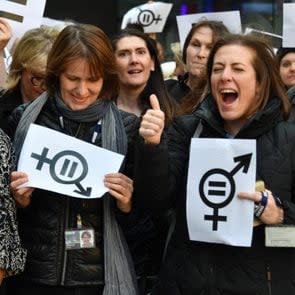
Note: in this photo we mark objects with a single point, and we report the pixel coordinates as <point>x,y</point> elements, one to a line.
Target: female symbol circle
<point>80,158</point>
<point>228,199</point>
<point>146,17</point>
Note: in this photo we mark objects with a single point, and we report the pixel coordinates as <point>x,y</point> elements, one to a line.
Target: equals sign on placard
<point>216,191</point>
<point>65,169</point>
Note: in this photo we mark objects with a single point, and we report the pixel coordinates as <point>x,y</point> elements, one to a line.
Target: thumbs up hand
<point>152,123</point>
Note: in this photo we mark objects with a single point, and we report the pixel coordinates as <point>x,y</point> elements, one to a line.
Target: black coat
<point>9,100</point>
<point>178,89</point>
<point>291,95</point>
<point>43,222</point>
<point>192,267</point>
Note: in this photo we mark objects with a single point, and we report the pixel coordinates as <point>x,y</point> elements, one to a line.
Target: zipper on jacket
<point>65,253</point>
<point>268,276</point>
<point>211,282</point>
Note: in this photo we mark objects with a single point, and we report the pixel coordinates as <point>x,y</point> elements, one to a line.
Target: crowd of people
<point>111,93</point>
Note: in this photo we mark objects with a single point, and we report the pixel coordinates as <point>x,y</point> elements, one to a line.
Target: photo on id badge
<point>79,238</point>
<point>87,238</point>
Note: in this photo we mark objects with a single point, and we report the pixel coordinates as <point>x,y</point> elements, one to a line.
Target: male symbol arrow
<point>244,162</point>
<point>82,191</point>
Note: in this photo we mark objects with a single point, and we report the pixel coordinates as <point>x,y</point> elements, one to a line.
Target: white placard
<point>275,39</point>
<point>218,170</point>
<point>51,22</point>
<point>64,164</point>
<point>231,19</point>
<point>288,25</point>
<point>60,24</point>
<point>22,15</point>
<point>152,16</point>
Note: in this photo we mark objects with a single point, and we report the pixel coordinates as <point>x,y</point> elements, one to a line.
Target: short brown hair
<point>88,42</point>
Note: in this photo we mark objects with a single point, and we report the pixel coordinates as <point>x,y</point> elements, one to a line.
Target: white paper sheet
<point>231,19</point>
<point>22,15</point>
<point>64,164</point>
<point>152,16</point>
<point>275,39</point>
<point>218,170</point>
<point>288,25</point>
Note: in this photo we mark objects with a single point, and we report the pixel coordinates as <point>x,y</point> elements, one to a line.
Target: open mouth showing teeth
<point>229,96</point>
<point>134,72</point>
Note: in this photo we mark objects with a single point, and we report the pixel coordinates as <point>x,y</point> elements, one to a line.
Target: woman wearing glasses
<point>25,80</point>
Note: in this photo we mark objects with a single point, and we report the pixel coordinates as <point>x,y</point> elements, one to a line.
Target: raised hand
<point>152,123</point>
<point>21,195</point>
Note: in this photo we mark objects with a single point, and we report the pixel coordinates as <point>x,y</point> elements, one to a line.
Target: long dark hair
<point>217,27</point>
<point>155,84</point>
<point>193,99</point>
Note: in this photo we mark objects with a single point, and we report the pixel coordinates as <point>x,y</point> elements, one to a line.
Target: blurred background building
<point>263,15</point>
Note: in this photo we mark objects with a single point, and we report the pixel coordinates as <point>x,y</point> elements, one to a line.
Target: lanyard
<point>97,128</point>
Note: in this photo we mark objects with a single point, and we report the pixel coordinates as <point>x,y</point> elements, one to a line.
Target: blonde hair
<point>31,52</point>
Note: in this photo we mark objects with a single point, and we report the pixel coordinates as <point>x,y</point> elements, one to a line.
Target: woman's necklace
<point>78,129</point>
<point>96,131</point>
<point>62,125</point>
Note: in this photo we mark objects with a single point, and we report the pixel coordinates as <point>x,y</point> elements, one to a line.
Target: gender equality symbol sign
<point>147,17</point>
<point>152,16</point>
<point>66,174</point>
<point>217,188</point>
<point>64,164</point>
<point>218,170</point>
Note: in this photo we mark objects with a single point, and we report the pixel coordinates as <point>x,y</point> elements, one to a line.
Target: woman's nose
<point>292,68</point>
<point>203,52</point>
<point>133,57</point>
<point>226,74</point>
<point>82,88</point>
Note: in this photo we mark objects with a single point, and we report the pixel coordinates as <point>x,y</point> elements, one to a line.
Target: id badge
<point>280,236</point>
<point>79,238</point>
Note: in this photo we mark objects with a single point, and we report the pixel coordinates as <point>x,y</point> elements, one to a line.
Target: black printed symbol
<point>147,17</point>
<point>66,167</point>
<point>217,188</point>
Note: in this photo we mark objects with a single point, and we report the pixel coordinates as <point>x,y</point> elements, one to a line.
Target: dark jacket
<point>143,235</point>
<point>178,89</point>
<point>9,100</point>
<point>147,236</point>
<point>291,95</point>
<point>44,221</point>
<point>203,268</point>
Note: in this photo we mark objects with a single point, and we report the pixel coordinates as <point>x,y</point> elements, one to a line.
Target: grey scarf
<point>119,271</point>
